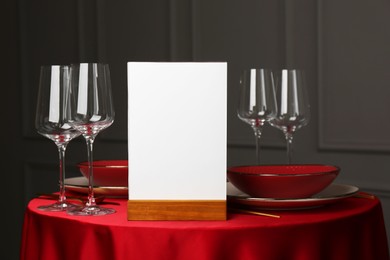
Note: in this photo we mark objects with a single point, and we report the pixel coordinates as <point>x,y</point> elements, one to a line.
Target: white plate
<point>80,185</point>
<point>333,193</point>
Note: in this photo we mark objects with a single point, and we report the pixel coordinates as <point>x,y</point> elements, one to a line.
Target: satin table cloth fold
<point>349,229</point>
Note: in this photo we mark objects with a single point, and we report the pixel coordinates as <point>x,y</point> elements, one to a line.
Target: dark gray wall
<point>343,46</point>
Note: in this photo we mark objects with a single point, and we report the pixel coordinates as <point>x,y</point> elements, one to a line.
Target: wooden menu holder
<point>176,210</point>
<point>177,140</point>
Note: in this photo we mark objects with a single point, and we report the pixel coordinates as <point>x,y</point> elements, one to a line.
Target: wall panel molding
<point>181,22</point>
<point>353,76</point>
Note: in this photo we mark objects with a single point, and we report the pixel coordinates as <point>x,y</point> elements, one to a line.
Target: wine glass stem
<point>91,198</point>
<point>289,139</point>
<point>61,153</point>
<point>257,131</point>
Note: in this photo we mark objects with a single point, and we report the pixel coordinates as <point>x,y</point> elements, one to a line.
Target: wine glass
<point>91,110</point>
<point>50,121</point>
<point>257,101</point>
<point>293,104</point>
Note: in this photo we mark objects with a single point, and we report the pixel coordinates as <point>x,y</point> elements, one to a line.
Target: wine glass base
<point>90,211</point>
<point>58,206</point>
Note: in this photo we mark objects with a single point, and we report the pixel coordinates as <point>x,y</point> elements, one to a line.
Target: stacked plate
<point>286,186</point>
<point>110,178</point>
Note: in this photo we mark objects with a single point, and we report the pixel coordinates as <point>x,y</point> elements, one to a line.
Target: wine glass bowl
<point>257,101</point>
<point>50,120</point>
<point>90,110</point>
<point>293,110</point>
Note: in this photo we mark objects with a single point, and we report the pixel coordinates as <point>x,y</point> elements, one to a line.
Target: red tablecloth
<point>349,229</point>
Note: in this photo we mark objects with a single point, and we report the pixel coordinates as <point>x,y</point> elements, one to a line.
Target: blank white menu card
<point>177,130</point>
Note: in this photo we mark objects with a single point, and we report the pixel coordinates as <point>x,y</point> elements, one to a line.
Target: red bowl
<point>282,181</point>
<point>107,173</point>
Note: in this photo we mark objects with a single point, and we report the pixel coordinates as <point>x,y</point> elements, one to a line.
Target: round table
<point>352,228</point>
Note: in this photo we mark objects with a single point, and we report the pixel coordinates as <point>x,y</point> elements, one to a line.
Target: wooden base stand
<point>176,210</point>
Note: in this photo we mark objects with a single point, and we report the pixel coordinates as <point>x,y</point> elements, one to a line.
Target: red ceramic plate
<point>108,173</point>
<point>282,181</point>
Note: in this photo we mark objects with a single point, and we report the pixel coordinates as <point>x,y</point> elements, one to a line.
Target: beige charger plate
<point>333,193</point>
<point>80,185</point>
